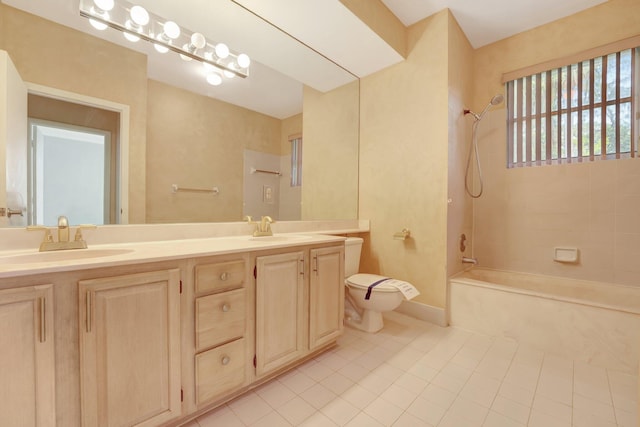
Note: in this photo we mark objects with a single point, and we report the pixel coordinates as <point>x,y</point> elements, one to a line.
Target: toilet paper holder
<point>15,204</point>
<point>11,212</point>
<point>8,212</point>
<point>402,235</point>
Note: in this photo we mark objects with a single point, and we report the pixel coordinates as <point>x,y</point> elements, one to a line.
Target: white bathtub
<point>594,322</point>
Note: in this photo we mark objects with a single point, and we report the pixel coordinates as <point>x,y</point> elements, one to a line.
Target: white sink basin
<point>280,238</point>
<point>64,255</point>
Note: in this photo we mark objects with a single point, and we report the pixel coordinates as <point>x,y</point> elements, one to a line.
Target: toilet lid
<point>363,281</point>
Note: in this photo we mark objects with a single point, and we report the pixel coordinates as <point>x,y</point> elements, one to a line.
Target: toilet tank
<point>352,250</point>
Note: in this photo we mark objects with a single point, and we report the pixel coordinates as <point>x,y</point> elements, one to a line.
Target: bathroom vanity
<point>157,333</point>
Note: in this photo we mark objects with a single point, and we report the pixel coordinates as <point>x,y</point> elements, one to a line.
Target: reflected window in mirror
<point>296,160</point>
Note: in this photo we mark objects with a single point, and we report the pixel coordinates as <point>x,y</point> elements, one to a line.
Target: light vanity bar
<point>136,23</point>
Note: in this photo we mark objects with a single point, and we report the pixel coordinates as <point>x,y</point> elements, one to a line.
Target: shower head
<point>497,99</point>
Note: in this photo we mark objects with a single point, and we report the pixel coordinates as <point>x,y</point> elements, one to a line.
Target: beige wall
<point>460,206</point>
<point>198,142</point>
<point>380,19</point>
<point>330,153</point>
<point>407,176</point>
<point>52,55</point>
<point>403,162</point>
<point>526,212</point>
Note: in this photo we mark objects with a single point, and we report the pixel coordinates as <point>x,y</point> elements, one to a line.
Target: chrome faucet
<point>48,244</point>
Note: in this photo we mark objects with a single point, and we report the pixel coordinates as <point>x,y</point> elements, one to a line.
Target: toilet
<point>365,303</point>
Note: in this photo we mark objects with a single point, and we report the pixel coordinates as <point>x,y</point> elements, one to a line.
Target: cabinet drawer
<point>220,276</point>
<point>220,370</point>
<point>220,318</point>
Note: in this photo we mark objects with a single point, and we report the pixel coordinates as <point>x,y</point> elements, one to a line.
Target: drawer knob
<point>224,276</point>
<point>226,307</point>
<point>225,360</point>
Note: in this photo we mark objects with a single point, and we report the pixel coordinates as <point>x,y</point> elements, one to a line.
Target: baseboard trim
<point>424,312</point>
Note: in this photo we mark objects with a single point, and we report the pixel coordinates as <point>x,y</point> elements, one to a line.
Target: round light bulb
<point>131,37</point>
<point>97,25</point>
<point>171,30</point>
<point>139,15</point>
<point>198,41</point>
<point>186,47</point>
<point>159,47</point>
<point>95,10</point>
<point>243,60</point>
<point>105,5</point>
<point>131,26</point>
<point>208,67</point>
<point>214,79</point>
<point>229,74</point>
<point>222,51</point>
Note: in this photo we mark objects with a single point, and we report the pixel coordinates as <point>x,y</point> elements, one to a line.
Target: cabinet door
<point>326,295</point>
<point>280,310</point>
<point>27,368</point>
<point>130,349</point>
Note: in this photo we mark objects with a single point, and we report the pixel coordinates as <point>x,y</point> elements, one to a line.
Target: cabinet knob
<point>225,360</point>
<point>224,276</point>
<point>226,307</point>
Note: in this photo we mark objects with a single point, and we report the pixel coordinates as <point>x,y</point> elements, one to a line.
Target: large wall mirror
<point>180,150</point>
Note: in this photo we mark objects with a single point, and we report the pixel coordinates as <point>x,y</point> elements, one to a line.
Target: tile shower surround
<point>416,374</point>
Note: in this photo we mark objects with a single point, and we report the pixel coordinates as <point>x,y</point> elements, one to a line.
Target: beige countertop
<point>29,261</point>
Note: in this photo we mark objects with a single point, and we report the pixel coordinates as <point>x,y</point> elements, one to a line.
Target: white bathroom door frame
<point>13,142</point>
<point>123,151</point>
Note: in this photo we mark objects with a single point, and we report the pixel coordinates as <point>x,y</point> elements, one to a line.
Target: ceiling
<point>487,21</point>
<point>319,43</point>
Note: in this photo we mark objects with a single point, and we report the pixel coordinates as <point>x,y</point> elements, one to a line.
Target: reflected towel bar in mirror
<point>254,170</point>
<point>175,189</point>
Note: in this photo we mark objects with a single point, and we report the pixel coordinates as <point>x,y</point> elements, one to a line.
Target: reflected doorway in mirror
<point>73,165</point>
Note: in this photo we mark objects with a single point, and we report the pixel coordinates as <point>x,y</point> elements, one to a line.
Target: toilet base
<point>371,321</point>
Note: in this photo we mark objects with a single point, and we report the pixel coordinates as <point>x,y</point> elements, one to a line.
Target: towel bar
<point>175,188</point>
<point>254,170</point>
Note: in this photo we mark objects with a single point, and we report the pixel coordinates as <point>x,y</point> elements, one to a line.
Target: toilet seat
<point>364,280</point>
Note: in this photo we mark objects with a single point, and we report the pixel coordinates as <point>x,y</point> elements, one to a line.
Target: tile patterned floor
<point>414,374</point>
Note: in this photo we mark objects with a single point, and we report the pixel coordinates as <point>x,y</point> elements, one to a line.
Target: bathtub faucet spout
<point>469,260</point>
